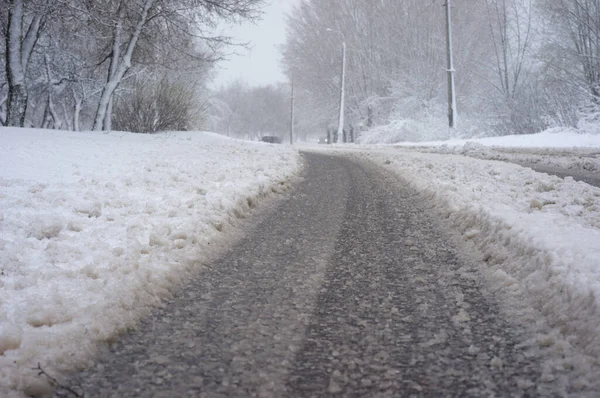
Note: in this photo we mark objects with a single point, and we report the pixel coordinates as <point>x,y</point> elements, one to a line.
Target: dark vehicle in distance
<point>271,139</point>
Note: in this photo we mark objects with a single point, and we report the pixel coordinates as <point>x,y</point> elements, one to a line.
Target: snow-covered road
<point>95,229</point>
<point>352,288</point>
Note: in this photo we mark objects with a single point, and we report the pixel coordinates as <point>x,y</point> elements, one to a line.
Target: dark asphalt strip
<point>583,176</point>
<point>347,288</point>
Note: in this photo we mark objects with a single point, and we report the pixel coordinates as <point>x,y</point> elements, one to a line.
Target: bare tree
<point>176,16</point>
<point>21,34</point>
<point>120,63</point>
<point>576,35</point>
<point>157,106</point>
<point>510,23</point>
<point>517,83</point>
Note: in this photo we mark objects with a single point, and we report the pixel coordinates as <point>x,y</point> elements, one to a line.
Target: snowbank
<point>538,233</point>
<point>553,138</point>
<point>95,229</point>
<point>433,131</point>
<point>559,149</point>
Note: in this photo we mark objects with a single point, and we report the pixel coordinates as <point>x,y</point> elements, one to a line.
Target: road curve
<point>349,288</point>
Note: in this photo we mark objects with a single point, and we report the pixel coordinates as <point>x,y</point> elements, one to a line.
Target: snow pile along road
<point>578,160</point>
<point>552,138</point>
<point>539,234</point>
<point>95,229</point>
<point>558,149</point>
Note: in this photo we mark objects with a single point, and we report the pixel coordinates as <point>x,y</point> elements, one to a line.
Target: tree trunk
<point>17,105</point>
<point>108,116</point>
<point>76,113</point>
<point>66,118</point>
<point>57,124</point>
<point>17,91</point>
<point>19,48</point>
<point>45,117</point>
<point>3,113</point>
<point>77,108</point>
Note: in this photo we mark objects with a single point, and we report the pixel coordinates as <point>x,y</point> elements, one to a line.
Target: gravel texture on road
<point>349,287</point>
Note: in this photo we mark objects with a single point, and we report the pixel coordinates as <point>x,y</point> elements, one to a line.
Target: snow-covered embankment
<point>95,229</point>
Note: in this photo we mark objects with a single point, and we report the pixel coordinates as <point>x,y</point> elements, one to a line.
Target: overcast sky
<point>260,64</point>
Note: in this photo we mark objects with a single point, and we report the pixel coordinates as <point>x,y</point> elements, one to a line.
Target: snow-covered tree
<point>396,56</point>
<point>74,56</point>
<point>512,71</point>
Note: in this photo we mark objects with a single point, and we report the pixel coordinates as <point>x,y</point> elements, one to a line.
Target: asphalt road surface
<point>578,175</point>
<point>349,287</point>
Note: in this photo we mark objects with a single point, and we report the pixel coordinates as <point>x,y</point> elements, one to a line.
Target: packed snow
<point>96,228</point>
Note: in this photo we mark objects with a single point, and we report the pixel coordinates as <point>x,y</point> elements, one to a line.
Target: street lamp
<point>340,132</point>
<point>292,115</point>
<point>451,89</point>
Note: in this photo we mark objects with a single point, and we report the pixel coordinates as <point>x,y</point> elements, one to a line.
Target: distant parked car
<point>271,139</point>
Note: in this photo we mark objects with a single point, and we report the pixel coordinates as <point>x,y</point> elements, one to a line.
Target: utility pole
<point>340,130</point>
<point>292,117</point>
<point>451,89</point>
<point>340,133</point>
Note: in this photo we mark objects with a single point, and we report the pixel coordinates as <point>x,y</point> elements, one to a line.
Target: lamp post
<point>451,89</point>
<point>292,111</point>
<point>340,131</point>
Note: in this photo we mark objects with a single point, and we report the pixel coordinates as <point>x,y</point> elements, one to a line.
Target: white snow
<point>96,228</point>
<point>554,149</point>
<point>558,148</point>
<point>553,138</point>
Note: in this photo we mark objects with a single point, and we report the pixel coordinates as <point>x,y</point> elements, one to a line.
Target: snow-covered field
<point>96,228</point>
